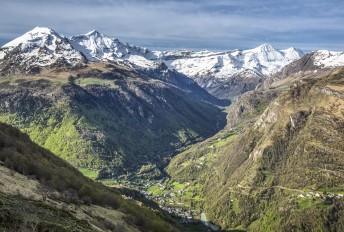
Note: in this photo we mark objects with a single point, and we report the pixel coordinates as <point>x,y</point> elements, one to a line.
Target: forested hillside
<point>279,167</point>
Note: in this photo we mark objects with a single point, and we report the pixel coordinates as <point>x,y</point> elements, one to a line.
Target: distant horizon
<point>185,24</point>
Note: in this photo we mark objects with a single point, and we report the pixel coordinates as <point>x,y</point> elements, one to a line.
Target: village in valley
<point>312,194</point>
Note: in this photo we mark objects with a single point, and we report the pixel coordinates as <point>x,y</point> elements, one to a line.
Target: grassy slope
<point>256,178</point>
<point>109,124</point>
<point>27,204</point>
<point>18,153</point>
<point>21,214</point>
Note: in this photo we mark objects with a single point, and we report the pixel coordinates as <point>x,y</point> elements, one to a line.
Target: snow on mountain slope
<point>41,47</point>
<point>37,36</point>
<point>229,74</point>
<point>98,47</point>
<point>328,59</point>
<point>292,53</point>
<point>264,60</point>
<point>224,74</point>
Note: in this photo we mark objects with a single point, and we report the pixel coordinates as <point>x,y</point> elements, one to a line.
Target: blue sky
<point>191,24</point>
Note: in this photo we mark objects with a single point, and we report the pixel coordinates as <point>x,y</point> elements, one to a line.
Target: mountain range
<point>223,74</point>
<point>215,71</point>
<point>107,116</point>
<point>248,140</point>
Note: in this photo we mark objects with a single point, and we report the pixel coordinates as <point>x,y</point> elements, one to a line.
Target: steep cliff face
<point>284,170</point>
<point>245,110</point>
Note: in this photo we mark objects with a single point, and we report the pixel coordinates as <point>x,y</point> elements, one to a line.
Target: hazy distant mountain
<point>229,74</point>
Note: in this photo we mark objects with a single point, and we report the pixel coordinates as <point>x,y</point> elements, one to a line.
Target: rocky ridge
<point>224,74</point>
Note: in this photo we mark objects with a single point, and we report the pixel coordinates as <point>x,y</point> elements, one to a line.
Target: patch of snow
<point>141,61</point>
<point>2,54</point>
<point>331,59</point>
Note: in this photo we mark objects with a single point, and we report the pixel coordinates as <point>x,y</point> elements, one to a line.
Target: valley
<point>197,174</point>
<point>114,137</point>
<point>257,174</point>
<point>82,120</point>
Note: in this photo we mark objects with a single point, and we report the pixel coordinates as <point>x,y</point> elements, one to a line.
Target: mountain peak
<point>97,47</point>
<point>293,49</point>
<point>293,52</point>
<point>45,30</point>
<point>37,33</point>
<point>41,46</point>
<point>265,48</point>
<point>94,33</point>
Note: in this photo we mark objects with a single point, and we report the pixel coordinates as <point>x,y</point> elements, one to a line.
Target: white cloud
<point>208,24</point>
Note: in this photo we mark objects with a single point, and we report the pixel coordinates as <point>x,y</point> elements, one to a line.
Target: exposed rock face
<point>248,106</point>
<point>331,92</point>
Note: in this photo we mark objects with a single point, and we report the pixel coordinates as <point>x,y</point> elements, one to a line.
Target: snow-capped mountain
<point>264,60</point>
<point>39,47</point>
<point>43,46</point>
<point>328,59</point>
<point>219,72</point>
<point>99,47</point>
<point>224,74</point>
